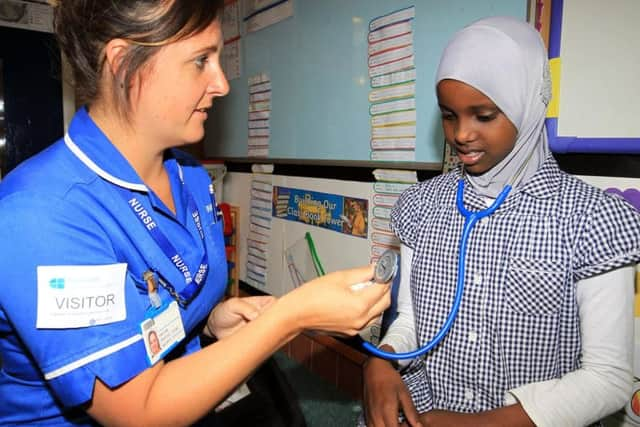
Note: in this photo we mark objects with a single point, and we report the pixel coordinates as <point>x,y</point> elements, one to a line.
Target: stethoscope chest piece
<point>386,267</point>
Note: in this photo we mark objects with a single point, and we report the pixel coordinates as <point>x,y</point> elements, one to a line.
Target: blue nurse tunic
<point>65,207</point>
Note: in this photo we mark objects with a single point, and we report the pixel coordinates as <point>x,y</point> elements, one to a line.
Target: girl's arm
<point>604,381</point>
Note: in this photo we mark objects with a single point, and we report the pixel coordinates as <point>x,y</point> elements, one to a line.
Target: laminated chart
<point>392,75</point>
<point>259,115</point>
<point>259,229</point>
<point>259,14</point>
<point>231,54</point>
<point>386,192</point>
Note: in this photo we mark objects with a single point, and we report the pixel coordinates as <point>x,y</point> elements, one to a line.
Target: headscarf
<point>505,59</point>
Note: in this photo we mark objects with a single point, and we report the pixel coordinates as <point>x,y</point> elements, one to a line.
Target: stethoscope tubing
<point>470,219</point>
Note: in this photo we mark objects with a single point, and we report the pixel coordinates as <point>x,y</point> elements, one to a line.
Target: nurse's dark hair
<point>84,27</point>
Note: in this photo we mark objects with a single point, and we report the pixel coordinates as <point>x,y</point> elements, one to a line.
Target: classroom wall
<point>336,250</point>
<point>317,62</point>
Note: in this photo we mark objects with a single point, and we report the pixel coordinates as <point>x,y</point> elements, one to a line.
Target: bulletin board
<point>316,61</point>
<point>593,49</point>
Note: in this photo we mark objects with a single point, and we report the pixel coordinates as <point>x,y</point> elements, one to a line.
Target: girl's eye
<point>447,116</point>
<point>486,117</point>
<point>202,61</point>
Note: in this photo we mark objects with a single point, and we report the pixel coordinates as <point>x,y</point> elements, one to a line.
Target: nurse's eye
<point>202,61</point>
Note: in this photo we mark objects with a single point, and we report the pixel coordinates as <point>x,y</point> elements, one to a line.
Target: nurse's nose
<point>218,84</point>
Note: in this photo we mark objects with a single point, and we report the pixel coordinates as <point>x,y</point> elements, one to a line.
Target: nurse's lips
<point>203,111</point>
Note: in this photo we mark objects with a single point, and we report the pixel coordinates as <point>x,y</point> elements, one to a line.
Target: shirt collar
<point>92,147</point>
<point>543,184</point>
<point>546,181</point>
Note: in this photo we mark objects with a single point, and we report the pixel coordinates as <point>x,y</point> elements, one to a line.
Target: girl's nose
<point>464,131</point>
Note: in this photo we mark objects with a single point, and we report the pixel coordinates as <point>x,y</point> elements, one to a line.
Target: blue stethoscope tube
<point>470,219</point>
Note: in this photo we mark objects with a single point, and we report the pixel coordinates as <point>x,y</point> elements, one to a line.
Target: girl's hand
<point>230,315</point>
<point>385,394</point>
<point>329,304</point>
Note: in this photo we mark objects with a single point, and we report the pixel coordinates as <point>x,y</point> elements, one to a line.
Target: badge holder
<point>162,328</point>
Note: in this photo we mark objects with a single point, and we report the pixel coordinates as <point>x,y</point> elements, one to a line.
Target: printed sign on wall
<point>348,215</point>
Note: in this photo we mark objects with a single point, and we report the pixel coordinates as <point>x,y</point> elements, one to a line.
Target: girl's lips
<point>470,158</point>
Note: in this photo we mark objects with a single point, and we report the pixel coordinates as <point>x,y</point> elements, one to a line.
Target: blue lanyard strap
<point>192,282</point>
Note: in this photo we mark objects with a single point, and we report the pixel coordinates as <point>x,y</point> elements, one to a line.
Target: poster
<point>347,215</point>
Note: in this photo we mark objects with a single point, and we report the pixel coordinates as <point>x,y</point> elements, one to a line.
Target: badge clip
<point>152,288</point>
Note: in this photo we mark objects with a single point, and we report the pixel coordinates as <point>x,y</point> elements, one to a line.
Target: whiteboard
<point>593,48</point>
<point>318,66</point>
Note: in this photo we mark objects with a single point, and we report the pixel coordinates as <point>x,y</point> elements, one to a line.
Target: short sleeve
<point>48,231</point>
<point>404,215</point>
<point>610,237</point>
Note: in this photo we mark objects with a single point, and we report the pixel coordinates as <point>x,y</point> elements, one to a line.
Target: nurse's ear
<point>114,53</point>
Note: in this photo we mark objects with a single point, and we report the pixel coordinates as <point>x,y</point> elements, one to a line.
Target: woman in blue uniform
<point>112,232</point>
<point>544,331</point>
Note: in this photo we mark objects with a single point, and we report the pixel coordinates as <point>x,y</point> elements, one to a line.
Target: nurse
<point>112,232</point>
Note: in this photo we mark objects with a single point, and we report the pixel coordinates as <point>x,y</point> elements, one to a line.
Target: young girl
<point>544,331</point>
<point>111,232</point>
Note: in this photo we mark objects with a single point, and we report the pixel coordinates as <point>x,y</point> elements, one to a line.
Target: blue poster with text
<point>348,215</point>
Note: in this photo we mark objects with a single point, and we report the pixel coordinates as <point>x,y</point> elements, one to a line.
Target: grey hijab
<point>505,59</point>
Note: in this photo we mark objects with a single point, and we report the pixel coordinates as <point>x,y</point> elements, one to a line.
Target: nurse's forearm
<point>183,390</point>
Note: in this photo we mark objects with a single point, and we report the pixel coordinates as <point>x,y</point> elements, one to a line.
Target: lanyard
<point>192,282</point>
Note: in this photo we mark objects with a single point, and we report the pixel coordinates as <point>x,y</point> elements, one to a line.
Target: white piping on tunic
<point>98,170</point>
<point>92,357</point>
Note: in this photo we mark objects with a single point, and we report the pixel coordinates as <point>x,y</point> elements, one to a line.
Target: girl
<point>111,232</point>
<point>544,332</point>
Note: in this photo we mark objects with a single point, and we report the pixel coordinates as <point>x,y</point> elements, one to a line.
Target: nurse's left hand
<point>230,315</point>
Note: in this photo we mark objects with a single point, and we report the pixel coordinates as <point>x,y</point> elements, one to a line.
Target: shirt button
<point>468,394</point>
<point>477,279</point>
<point>473,336</point>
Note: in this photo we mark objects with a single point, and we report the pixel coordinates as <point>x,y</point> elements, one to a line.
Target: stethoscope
<point>387,267</point>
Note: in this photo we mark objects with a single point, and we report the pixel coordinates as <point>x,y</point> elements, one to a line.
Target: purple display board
<point>580,144</point>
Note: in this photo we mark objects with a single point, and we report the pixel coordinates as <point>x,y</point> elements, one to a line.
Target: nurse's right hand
<point>385,395</point>
<point>329,304</point>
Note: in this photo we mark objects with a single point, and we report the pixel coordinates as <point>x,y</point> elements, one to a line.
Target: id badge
<point>162,331</point>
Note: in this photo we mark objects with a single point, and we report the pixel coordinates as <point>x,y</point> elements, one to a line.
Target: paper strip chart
<point>259,229</point>
<point>259,115</point>
<point>386,191</point>
<point>231,54</point>
<point>392,75</point>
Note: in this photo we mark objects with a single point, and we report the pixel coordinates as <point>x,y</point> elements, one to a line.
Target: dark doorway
<point>31,95</point>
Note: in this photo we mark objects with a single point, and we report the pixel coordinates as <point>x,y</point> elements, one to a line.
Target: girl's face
<point>474,126</point>
<point>179,86</point>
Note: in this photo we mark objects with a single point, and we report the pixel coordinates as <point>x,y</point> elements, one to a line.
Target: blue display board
<point>317,63</point>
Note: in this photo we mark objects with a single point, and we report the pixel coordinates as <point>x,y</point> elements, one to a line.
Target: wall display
<point>595,104</point>
<point>26,15</point>
<point>259,116</point>
<point>347,215</point>
<point>326,102</point>
<point>393,86</point>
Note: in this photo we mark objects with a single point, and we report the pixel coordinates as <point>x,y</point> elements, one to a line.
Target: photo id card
<point>162,332</point>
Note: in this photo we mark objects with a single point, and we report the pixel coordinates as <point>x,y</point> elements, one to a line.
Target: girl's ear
<point>114,52</point>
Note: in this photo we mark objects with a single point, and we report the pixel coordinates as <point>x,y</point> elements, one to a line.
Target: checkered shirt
<point>518,321</point>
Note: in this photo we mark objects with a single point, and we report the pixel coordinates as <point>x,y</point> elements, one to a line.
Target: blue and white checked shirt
<point>518,321</point>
